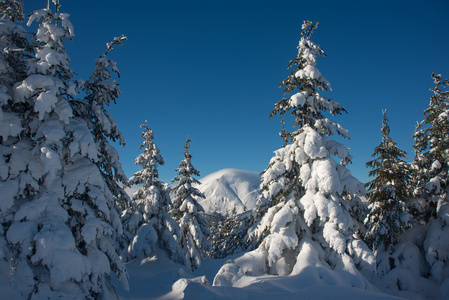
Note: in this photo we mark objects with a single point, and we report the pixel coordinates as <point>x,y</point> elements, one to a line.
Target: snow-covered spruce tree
<point>100,91</point>
<point>432,153</point>
<point>14,51</point>
<point>310,219</point>
<point>217,233</point>
<point>228,234</point>
<point>432,181</point>
<point>236,230</point>
<point>388,192</point>
<point>59,215</point>
<point>149,225</point>
<point>222,232</point>
<point>188,212</point>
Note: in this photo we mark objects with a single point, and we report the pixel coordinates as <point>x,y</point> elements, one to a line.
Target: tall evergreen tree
<point>59,216</point>
<point>14,44</point>
<point>149,225</point>
<point>432,154</point>
<point>101,90</point>
<point>432,179</point>
<point>387,192</point>
<point>419,261</point>
<point>188,212</point>
<point>310,199</point>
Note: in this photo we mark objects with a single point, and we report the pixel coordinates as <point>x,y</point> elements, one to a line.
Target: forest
<point>69,230</point>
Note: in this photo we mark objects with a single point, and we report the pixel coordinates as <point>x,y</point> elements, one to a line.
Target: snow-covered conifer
<point>100,91</point>
<point>431,207</point>
<point>418,263</point>
<point>223,234</point>
<point>14,143</point>
<point>217,233</point>
<point>188,212</point>
<point>235,228</point>
<point>310,201</point>
<point>388,192</point>
<point>59,215</point>
<point>149,224</point>
<point>432,153</point>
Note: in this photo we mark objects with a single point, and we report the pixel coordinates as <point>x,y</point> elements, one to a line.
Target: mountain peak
<point>229,188</point>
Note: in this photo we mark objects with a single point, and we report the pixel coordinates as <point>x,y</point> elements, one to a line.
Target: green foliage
<point>306,113</point>
<point>149,160</point>
<point>184,188</point>
<point>388,165</point>
<point>307,107</point>
<point>228,234</point>
<point>12,9</point>
<point>388,191</point>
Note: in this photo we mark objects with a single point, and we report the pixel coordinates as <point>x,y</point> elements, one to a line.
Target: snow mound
<point>229,188</point>
<point>160,278</point>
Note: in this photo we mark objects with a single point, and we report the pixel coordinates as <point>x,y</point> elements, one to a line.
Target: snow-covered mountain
<point>229,188</point>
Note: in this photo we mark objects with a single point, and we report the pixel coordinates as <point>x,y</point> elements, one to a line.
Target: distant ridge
<point>229,188</point>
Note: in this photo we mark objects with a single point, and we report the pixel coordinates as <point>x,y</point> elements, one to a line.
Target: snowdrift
<point>160,278</point>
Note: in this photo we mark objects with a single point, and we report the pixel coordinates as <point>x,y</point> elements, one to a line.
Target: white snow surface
<point>158,277</point>
<point>229,188</point>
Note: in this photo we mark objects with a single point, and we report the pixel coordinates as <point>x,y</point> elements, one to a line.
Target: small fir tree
<point>388,192</point>
<point>236,226</point>
<point>188,212</point>
<point>217,234</point>
<point>149,225</point>
<point>227,236</point>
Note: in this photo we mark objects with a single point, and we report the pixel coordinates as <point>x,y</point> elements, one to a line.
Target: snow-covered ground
<point>160,278</point>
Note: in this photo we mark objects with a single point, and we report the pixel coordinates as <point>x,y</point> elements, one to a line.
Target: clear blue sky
<point>211,69</point>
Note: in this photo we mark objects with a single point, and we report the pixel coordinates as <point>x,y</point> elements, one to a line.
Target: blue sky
<point>211,69</point>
